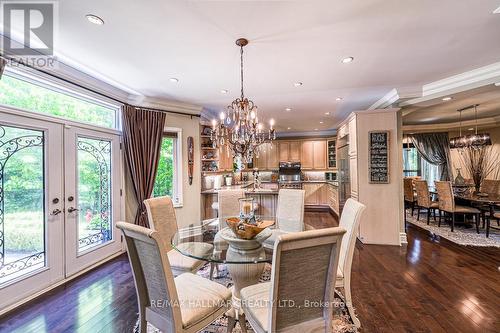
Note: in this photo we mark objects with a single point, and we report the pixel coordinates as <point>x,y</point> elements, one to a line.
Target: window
<point>34,96</point>
<point>415,165</point>
<point>169,174</point>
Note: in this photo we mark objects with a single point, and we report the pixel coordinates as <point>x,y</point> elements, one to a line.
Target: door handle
<point>72,209</point>
<point>56,212</point>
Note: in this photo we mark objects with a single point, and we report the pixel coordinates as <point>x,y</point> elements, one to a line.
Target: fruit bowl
<point>245,230</point>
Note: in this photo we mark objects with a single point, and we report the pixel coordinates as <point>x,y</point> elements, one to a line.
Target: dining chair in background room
<point>489,186</point>
<point>289,215</point>
<point>228,205</point>
<point>349,220</point>
<point>185,304</point>
<point>447,205</point>
<point>424,200</point>
<point>161,216</point>
<point>304,271</point>
<point>409,194</point>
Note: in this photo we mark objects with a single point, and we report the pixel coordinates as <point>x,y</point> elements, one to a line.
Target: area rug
<point>341,322</point>
<point>461,235</point>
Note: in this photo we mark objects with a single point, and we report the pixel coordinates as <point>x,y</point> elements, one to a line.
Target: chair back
<point>304,270</point>
<point>349,220</point>
<point>423,195</point>
<point>161,216</point>
<point>153,277</point>
<point>290,210</point>
<point>445,193</point>
<point>229,204</point>
<point>409,194</point>
<point>490,186</point>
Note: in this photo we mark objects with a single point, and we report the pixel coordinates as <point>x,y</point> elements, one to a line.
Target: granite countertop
<point>248,188</point>
<point>331,182</point>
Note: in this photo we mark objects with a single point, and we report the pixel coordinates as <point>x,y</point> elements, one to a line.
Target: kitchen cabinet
<point>283,150</point>
<point>331,154</point>
<point>307,155</point>
<point>311,193</point>
<point>268,157</point>
<point>289,151</point>
<point>294,154</point>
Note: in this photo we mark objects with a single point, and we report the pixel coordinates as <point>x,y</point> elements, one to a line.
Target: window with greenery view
<point>164,182</point>
<point>415,165</point>
<point>29,96</point>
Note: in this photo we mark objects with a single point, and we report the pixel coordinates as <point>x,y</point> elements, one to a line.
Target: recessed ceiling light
<point>347,60</point>
<point>497,11</point>
<point>288,109</point>
<point>321,122</point>
<point>471,129</point>
<point>224,91</point>
<point>289,128</point>
<point>297,84</point>
<point>174,79</point>
<point>338,99</point>
<point>315,129</point>
<point>94,19</point>
<point>497,84</point>
<point>447,98</point>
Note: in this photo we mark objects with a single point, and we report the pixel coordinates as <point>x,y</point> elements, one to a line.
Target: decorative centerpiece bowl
<point>245,229</point>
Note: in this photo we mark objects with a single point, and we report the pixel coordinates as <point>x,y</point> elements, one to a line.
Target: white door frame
<point>33,282</point>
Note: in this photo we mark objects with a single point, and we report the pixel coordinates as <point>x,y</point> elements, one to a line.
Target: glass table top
<point>210,243</point>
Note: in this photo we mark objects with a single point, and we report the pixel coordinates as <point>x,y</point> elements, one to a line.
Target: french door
<point>59,201</point>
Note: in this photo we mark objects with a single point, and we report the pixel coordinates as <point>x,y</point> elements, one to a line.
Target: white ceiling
<point>395,44</point>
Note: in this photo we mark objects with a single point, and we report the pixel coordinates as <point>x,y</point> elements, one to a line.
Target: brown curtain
<point>3,62</point>
<point>435,149</point>
<point>142,136</point>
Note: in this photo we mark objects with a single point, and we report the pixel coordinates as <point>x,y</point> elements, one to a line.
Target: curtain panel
<point>435,149</point>
<point>142,137</point>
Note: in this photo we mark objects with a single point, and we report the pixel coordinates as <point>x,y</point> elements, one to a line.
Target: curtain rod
<point>95,91</point>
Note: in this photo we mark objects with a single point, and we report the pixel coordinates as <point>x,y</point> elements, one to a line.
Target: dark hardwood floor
<point>426,286</point>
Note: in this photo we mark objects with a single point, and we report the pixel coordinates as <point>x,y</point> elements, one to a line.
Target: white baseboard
<point>402,238</point>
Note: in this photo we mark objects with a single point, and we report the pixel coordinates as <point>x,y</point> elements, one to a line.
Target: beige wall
<point>456,160</point>
<point>189,213</point>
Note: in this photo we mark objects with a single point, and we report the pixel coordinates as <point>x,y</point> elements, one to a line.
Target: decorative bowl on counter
<point>245,230</point>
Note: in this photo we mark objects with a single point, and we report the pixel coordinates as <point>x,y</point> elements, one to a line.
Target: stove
<point>290,175</point>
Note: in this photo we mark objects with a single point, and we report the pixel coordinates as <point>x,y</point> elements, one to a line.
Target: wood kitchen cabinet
<point>283,150</point>
<point>268,157</point>
<point>311,193</point>
<point>307,160</point>
<point>313,155</point>
<point>289,151</point>
<point>294,151</point>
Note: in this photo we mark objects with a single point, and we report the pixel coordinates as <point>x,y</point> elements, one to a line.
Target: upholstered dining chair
<point>349,220</point>
<point>185,304</point>
<point>304,271</point>
<point>447,205</point>
<point>161,216</point>
<point>289,215</point>
<point>228,205</point>
<point>409,193</point>
<point>490,186</point>
<point>424,200</point>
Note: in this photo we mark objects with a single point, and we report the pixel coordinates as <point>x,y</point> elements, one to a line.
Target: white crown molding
<point>330,132</point>
<point>396,96</point>
<point>482,123</point>
<point>476,78</point>
<point>167,105</point>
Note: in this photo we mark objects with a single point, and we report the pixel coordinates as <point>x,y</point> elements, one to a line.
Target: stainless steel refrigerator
<point>343,175</point>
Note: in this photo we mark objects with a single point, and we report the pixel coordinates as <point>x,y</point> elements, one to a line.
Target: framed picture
<point>378,157</point>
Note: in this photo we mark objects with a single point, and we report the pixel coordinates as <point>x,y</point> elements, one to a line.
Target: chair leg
<point>242,320</point>
<point>348,303</point>
<point>476,217</point>
<point>488,227</point>
<point>434,214</point>
<point>418,213</point>
<point>439,223</point>
<point>212,267</point>
<point>412,208</point>
<point>428,215</point>
<point>452,222</point>
<point>143,324</point>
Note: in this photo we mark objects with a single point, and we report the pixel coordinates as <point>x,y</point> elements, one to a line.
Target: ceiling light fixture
<point>239,128</point>
<point>347,60</point>
<point>497,11</point>
<point>474,141</point>
<point>288,109</point>
<point>338,99</point>
<point>321,122</point>
<point>289,128</point>
<point>446,99</point>
<point>297,84</point>
<point>327,113</point>
<point>224,91</point>
<point>315,129</point>
<point>174,80</point>
<point>94,19</point>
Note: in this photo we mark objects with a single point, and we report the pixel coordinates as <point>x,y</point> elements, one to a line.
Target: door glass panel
<point>22,202</point>
<point>94,192</point>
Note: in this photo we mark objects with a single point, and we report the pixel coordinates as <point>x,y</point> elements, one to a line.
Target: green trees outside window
<point>165,174</point>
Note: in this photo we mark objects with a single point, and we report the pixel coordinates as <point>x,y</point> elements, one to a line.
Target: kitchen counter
<point>266,188</point>
<point>331,182</point>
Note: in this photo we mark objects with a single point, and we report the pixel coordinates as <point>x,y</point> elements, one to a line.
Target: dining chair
<point>289,215</point>
<point>161,216</point>
<point>409,194</point>
<point>185,304</point>
<point>424,200</point>
<point>349,220</point>
<point>447,205</point>
<point>228,205</point>
<point>490,186</point>
<point>304,272</point>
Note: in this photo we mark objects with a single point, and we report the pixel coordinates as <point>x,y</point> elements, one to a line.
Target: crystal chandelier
<point>239,128</point>
<point>475,141</point>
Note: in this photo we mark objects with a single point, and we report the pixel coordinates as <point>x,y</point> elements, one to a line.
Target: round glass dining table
<point>245,259</point>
